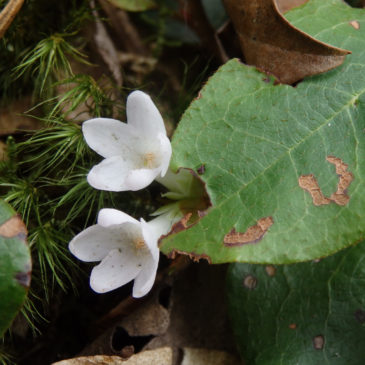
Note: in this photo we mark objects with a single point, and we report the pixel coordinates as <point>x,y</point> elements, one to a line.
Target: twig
<point>8,14</point>
<point>124,29</point>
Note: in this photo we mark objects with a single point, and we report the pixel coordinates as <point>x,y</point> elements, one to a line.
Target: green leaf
<point>134,5</point>
<point>256,139</point>
<point>308,313</point>
<point>15,265</point>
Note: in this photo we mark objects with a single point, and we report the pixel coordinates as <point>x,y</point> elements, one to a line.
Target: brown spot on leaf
<point>202,214</point>
<point>293,326</point>
<point>355,24</point>
<point>272,44</point>
<point>23,278</point>
<point>201,169</point>
<point>13,227</point>
<point>360,316</point>
<point>192,255</point>
<point>252,235</point>
<point>199,96</point>
<point>270,270</point>
<point>340,197</point>
<point>179,226</point>
<point>250,282</point>
<point>318,342</point>
<point>310,184</point>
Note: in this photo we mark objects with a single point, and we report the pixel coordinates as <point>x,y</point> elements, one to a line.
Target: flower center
<point>139,243</point>
<point>149,160</point>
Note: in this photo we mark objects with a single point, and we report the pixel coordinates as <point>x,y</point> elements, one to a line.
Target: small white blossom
<point>135,152</point>
<point>127,250</point>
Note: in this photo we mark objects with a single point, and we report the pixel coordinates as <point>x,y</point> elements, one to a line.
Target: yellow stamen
<point>139,243</point>
<point>148,160</point>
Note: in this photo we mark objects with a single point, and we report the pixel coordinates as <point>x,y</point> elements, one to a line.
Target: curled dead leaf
<point>127,328</point>
<point>272,44</point>
<point>160,356</point>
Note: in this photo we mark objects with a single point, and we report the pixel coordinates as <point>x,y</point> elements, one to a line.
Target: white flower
<point>127,250</point>
<point>135,153</point>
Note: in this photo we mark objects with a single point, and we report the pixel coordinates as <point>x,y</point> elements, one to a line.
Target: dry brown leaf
<point>149,318</point>
<point>198,314</point>
<point>13,120</point>
<point>161,356</point>
<point>106,48</point>
<point>272,44</point>
<point>205,357</point>
<point>193,316</point>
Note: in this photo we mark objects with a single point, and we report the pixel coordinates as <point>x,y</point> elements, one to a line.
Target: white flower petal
<point>151,236</point>
<point>143,115</point>
<point>139,179</point>
<point>110,174</point>
<point>108,217</point>
<point>158,226</point>
<point>116,269</point>
<point>135,153</point>
<point>110,137</point>
<point>145,279</point>
<point>165,151</point>
<point>127,249</point>
<point>177,182</point>
<point>94,243</point>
